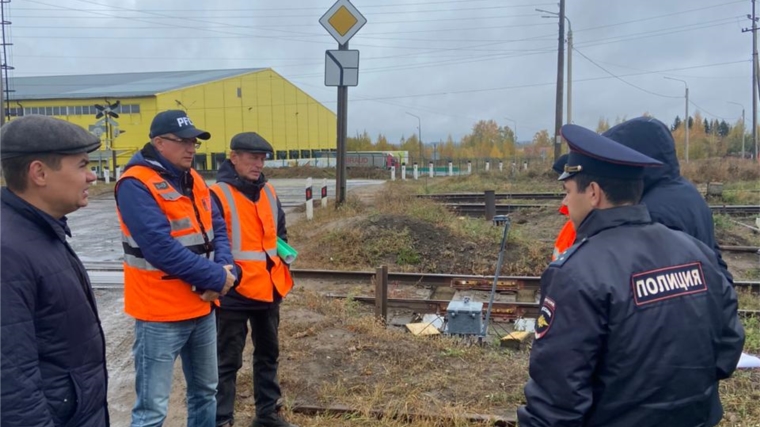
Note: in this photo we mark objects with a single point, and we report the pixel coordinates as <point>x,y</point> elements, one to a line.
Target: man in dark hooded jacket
<point>671,199</point>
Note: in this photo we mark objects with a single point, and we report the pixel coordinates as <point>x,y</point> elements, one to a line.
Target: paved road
<point>95,229</point>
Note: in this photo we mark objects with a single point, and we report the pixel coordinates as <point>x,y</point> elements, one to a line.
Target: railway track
<point>109,275</point>
<point>479,209</point>
<point>480,197</point>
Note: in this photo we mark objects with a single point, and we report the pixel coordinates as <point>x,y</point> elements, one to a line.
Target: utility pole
<point>569,62</point>
<point>560,79</point>
<point>686,120</point>
<point>569,71</point>
<point>4,66</point>
<point>2,103</point>
<point>754,74</point>
<point>340,175</point>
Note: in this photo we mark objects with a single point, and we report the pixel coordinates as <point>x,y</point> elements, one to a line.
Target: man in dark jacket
<point>255,220</point>
<point>53,348</point>
<point>671,199</point>
<point>637,322</point>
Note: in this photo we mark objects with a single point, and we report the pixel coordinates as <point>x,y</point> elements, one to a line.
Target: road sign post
<point>342,21</point>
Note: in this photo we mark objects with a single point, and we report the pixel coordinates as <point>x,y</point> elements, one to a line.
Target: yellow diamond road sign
<point>342,21</point>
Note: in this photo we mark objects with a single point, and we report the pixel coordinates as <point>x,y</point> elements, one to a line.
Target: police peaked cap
<point>598,155</point>
<point>251,142</point>
<point>559,165</point>
<point>36,134</point>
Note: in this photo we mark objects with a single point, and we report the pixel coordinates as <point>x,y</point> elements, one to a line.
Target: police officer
<point>637,323</point>
<point>53,347</point>
<point>255,220</point>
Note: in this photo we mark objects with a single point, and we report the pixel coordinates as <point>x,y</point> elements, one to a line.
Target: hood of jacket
<point>228,175</point>
<point>651,137</point>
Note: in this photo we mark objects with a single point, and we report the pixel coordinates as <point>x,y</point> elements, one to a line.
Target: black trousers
<point>232,329</point>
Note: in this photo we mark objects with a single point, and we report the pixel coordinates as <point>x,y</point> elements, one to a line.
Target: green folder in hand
<point>285,251</point>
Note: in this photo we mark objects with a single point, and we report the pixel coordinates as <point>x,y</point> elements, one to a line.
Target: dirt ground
<point>335,353</point>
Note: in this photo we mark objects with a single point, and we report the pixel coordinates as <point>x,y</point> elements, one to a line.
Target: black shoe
<point>270,420</point>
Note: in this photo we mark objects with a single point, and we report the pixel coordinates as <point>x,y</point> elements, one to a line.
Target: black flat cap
<point>37,134</point>
<point>252,142</point>
<point>598,155</point>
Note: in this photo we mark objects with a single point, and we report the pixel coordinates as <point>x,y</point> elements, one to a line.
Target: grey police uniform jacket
<point>637,326</point>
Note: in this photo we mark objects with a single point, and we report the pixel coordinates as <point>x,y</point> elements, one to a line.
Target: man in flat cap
<point>177,261</point>
<point>637,323</point>
<point>255,220</point>
<point>53,348</point>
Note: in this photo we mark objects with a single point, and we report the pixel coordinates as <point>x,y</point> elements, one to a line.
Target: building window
<point>56,111</point>
<point>293,154</point>
<point>135,109</point>
<point>78,110</point>
<point>217,159</point>
<point>282,155</point>
<point>305,154</point>
<point>199,163</point>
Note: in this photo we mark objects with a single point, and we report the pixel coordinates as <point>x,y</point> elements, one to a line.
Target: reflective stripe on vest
<point>236,233</point>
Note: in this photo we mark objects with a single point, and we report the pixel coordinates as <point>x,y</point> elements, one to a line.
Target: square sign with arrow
<point>341,68</point>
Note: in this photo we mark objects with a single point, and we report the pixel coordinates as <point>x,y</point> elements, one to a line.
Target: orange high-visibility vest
<point>149,293</point>
<point>566,236</point>
<point>252,232</point>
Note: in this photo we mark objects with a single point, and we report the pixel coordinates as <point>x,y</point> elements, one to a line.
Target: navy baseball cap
<point>176,122</point>
<point>598,155</point>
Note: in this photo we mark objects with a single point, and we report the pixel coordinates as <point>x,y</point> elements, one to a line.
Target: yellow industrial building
<point>223,102</point>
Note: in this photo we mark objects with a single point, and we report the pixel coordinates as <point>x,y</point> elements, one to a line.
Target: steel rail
<point>479,209</point>
<point>107,273</point>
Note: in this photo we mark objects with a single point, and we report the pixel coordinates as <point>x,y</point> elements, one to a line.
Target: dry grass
<point>409,234</point>
<point>341,356</point>
<point>529,181</point>
<point>336,354</point>
<point>721,170</point>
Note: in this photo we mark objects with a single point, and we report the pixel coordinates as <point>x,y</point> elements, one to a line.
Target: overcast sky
<point>450,62</point>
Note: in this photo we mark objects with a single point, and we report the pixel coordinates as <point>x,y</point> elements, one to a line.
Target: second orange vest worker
<point>252,232</point>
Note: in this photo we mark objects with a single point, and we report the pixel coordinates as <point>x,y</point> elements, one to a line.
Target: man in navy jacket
<point>671,200</point>
<point>53,348</point>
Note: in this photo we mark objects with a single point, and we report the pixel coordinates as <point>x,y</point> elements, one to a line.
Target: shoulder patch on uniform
<point>666,283</point>
<point>163,185</point>
<point>545,319</point>
<point>564,256</point>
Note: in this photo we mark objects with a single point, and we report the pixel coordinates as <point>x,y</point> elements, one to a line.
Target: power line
<point>178,13</point>
<point>364,6</point>
<point>624,81</point>
<point>617,24</point>
<point>707,112</point>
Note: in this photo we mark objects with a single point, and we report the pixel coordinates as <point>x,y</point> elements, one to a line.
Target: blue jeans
<point>157,345</point>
